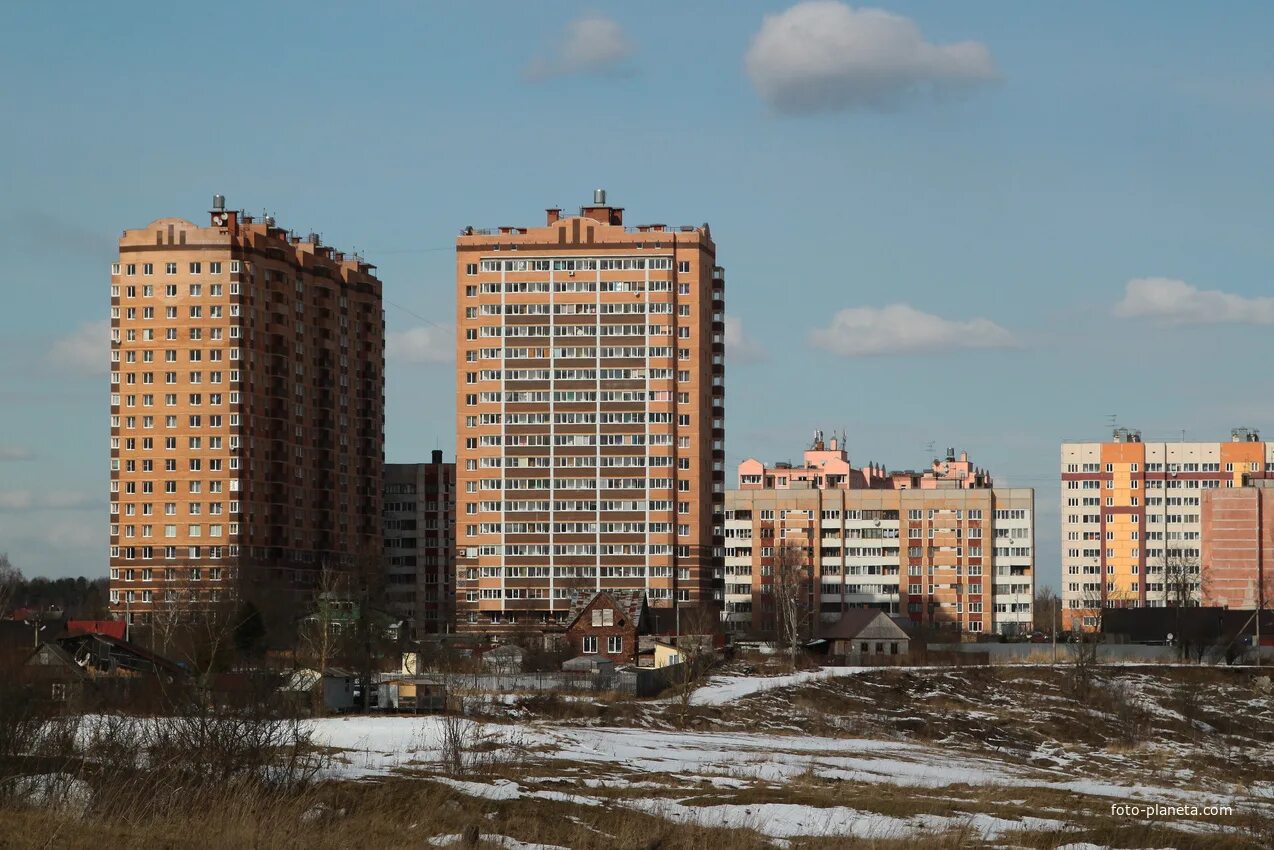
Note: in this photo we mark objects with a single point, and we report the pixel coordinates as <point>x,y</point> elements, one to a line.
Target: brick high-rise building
<point>247,412</point>
<point>1132,518</point>
<point>590,415</point>
<point>943,547</point>
<point>420,543</point>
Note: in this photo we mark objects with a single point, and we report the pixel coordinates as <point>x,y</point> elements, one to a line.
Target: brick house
<point>607,624</point>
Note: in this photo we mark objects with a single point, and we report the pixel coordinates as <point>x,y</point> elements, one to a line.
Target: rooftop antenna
<point>1112,419</point>
<point>930,447</point>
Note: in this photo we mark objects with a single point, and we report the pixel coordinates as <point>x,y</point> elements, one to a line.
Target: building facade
<point>590,415</point>
<point>1238,545</point>
<point>1132,518</point>
<point>935,546</point>
<point>247,411</point>
<point>420,542</point>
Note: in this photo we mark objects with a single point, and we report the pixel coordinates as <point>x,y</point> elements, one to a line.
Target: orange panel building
<point>1133,533</point>
<point>590,415</point>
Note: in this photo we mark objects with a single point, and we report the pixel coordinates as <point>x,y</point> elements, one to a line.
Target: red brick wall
<point>584,627</point>
<point>1238,541</point>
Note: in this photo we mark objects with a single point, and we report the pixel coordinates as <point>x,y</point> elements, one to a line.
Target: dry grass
<point>336,816</point>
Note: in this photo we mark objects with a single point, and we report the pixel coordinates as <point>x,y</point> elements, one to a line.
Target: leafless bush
<point>1131,720</point>
<point>1083,669</point>
<point>211,747</point>
<point>114,740</point>
<point>1190,705</point>
<point>21,720</point>
<point>458,738</point>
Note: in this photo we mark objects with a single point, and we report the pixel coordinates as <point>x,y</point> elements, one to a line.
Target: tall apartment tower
<point>1133,518</point>
<point>590,416</point>
<point>942,546</point>
<point>247,412</point>
<point>420,543</point>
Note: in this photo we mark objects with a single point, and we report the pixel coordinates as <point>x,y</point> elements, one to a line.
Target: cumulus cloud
<point>15,453</point>
<point>902,329</point>
<point>593,44</point>
<point>823,56</point>
<point>739,347</point>
<point>429,344</point>
<point>29,500</point>
<point>86,351</point>
<point>1177,302</point>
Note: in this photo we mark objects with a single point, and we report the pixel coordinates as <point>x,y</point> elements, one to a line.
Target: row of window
<point>578,264</point>
<point>1210,466</point>
<point>171,268</point>
<point>170,553</point>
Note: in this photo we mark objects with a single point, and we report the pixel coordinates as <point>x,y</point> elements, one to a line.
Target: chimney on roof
<point>436,456</point>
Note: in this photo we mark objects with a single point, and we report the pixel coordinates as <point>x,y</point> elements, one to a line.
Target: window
<point>170,268</point>
<point>614,644</point>
<point>590,644</point>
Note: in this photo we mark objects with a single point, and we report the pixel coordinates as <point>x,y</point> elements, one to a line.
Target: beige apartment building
<point>247,412</point>
<point>420,543</point>
<point>941,546</point>
<point>1134,517</point>
<point>590,415</point>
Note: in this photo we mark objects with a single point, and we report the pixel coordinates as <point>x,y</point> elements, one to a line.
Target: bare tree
<point>319,633</point>
<point>792,598</point>
<point>10,580</point>
<point>1182,578</point>
<point>1183,588</point>
<point>1047,610</point>
<point>700,625</point>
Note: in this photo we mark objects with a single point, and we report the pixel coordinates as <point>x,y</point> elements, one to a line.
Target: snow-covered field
<point>572,763</point>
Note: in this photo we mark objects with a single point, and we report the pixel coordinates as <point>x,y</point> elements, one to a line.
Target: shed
<point>337,686</point>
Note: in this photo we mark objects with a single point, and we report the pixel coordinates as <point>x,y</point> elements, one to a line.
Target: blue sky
<point>930,218</point>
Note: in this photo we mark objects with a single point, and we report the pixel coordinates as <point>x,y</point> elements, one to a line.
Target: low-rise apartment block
<point>942,546</point>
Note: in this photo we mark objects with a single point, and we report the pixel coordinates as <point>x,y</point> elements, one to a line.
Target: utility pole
<point>1053,604</point>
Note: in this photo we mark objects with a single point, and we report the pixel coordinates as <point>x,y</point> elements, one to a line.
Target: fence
<point>1107,653</point>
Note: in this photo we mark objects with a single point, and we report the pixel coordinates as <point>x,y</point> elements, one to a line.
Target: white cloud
<point>15,453</point>
<point>1177,302</point>
<point>739,347</point>
<point>902,329</point>
<point>593,44</point>
<point>824,55</point>
<point>86,351</point>
<point>29,500</point>
<point>430,344</point>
